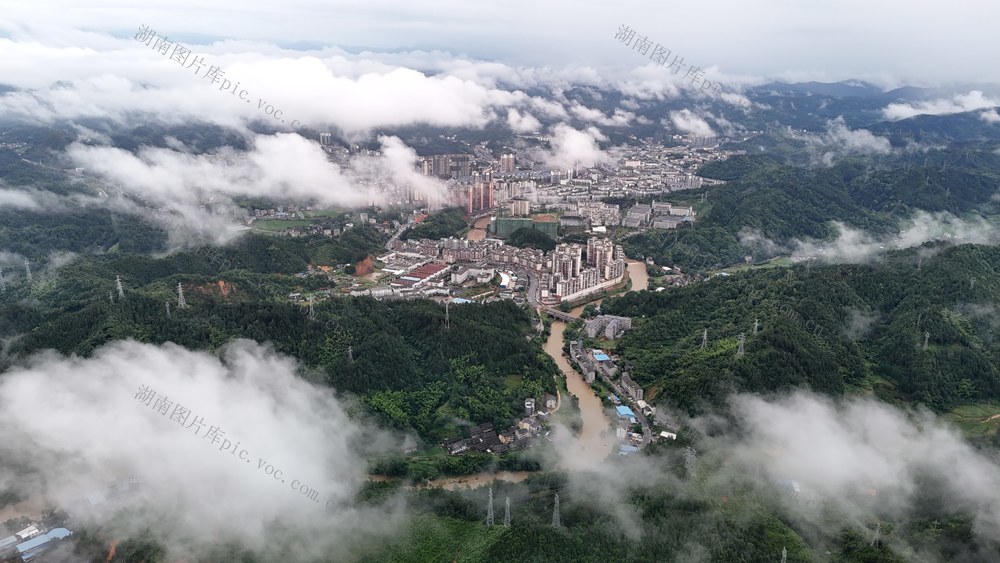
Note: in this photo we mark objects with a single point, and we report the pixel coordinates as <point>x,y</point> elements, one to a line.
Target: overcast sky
<point>922,41</point>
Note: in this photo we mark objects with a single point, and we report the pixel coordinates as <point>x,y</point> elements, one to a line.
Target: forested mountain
<point>402,360</point>
<point>832,328</point>
<point>446,223</point>
<point>873,194</point>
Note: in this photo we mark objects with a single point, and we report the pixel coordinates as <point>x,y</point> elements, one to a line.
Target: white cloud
<point>688,122</point>
<point>522,122</point>
<point>959,103</point>
<point>855,246</point>
<point>860,454</point>
<point>990,116</point>
<point>17,199</point>
<point>194,491</point>
<point>570,146</point>
<point>840,140</point>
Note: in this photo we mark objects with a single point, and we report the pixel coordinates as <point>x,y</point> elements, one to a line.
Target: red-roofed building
<point>423,274</point>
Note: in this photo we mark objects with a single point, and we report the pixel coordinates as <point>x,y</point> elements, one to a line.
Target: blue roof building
<point>624,412</point>
<point>35,546</point>
<point>626,449</point>
<point>601,357</point>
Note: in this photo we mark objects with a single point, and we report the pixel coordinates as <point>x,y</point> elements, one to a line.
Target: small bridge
<point>565,317</point>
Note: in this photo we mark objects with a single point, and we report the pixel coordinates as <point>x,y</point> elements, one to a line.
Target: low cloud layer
<point>857,246</point>
<point>569,147</point>
<point>839,140</point>
<point>196,490</point>
<point>861,454</point>
<point>688,122</point>
<point>281,167</point>
<point>959,103</point>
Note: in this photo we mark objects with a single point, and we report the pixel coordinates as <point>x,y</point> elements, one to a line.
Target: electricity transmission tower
<point>181,303</point>
<point>312,312</point>
<point>168,309</point>
<point>118,284</point>
<point>447,320</point>
<point>350,353</point>
<point>3,284</point>
<point>506,514</point>
<point>927,337</point>
<point>756,325</point>
<point>489,510</point>
<point>877,535</point>
<point>704,338</point>
<point>784,555</point>
<point>690,456</point>
<point>555,514</point>
<point>27,270</point>
<point>743,339</point>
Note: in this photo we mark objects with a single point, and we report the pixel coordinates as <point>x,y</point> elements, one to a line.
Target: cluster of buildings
<point>30,542</point>
<point>571,277</point>
<point>485,439</point>
<point>479,179</point>
<point>38,538</point>
<point>658,215</point>
<point>566,274</point>
<point>608,326</point>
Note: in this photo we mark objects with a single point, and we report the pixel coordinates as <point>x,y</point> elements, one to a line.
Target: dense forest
<point>531,238</point>
<point>445,223</point>
<point>718,515</point>
<point>830,328</point>
<point>876,194</point>
<point>402,361</point>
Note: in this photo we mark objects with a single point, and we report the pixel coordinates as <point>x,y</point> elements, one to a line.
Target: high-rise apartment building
<point>480,196</point>
<point>567,260</point>
<point>507,164</point>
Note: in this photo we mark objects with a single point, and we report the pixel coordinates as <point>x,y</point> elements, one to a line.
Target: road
<point>395,235</point>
